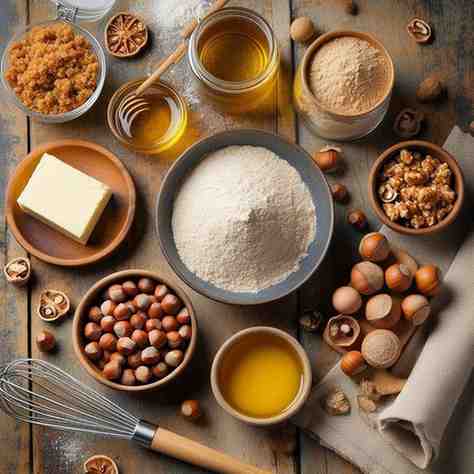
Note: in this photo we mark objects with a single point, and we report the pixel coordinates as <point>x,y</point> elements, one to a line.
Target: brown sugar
<point>52,69</point>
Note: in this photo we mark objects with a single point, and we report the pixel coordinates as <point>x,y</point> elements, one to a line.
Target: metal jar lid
<point>82,10</point>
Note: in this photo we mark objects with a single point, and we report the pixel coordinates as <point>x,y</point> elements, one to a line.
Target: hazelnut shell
<point>383,311</point>
<point>416,309</point>
<point>381,348</point>
<point>367,278</point>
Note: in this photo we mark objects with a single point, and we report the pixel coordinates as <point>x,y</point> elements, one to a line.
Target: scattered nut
<point>374,247</point>
<point>125,35</point>
<point>416,309</point>
<point>383,311</point>
<point>352,363</point>
<point>398,277</point>
<point>427,280</point>
<point>311,321</point>
<point>429,89</point>
<point>419,30</point>
<point>408,123</point>
<point>336,403</point>
<point>343,330</point>
<point>386,383</point>
<point>302,29</point>
<point>367,277</point>
<point>53,304</point>
<point>339,192</point>
<point>328,158</point>
<point>18,271</point>
<point>357,219</point>
<point>381,348</point>
<point>191,409</point>
<point>100,464</point>
<point>45,341</point>
<point>346,300</point>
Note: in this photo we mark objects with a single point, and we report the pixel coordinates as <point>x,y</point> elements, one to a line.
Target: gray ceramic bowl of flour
<point>310,174</point>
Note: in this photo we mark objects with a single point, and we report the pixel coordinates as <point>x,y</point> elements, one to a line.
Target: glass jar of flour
<point>343,85</point>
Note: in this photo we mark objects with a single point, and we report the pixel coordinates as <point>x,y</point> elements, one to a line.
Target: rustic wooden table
<point>25,450</point>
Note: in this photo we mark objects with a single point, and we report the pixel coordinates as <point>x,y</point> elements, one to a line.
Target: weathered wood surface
<point>42,451</point>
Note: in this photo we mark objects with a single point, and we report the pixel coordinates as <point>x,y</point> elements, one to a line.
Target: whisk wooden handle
<point>179,447</point>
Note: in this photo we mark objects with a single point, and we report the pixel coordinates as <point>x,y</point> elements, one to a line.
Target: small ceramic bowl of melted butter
<point>261,376</point>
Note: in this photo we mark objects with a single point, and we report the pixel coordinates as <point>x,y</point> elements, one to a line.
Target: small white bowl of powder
<point>244,217</point>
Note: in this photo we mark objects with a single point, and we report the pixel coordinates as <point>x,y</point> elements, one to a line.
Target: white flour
<point>348,75</point>
<point>243,219</point>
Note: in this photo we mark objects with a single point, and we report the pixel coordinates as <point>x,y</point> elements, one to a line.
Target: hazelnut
<point>92,331</point>
<point>107,323</point>
<point>174,358</point>
<point>122,329</point>
<point>134,360</point>
<point>108,342</point>
<point>381,348</point>
<point>343,330</point>
<point>146,285</point>
<point>140,338</point>
<point>427,280</point>
<point>116,294</point>
<point>138,320</point>
<point>185,332</point>
<point>117,357</point>
<point>367,278</point>
<point>106,356</point>
<point>416,308</point>
<point>93,351</point>
<point>155,311</point>
<point>357,219</point>
<point>169,323</point>
<point>143,374</point>
<point>45,341</point>
<point>150,355</point>
<point>122,312</point>
<point>429,89</point>
<point>130,289</point>
<point>339,192</point>
<point>152,324</point>
<point>382,311</point>
<point>126,346</point>
<point>174,339</point>
<point>346,300</point>
<point>157,338</point>
<point>191,409</point>
<point>142,301</point>
<point>160,370</point>
<point>183,317</point>
<point>112,370</point>
<point>132,307</point>
<point>398,277</point>
<point>128,378</point>
<point>95,314</point>
<point>108,307</point>
<point>353,363</point>
<point>403,257</point>
<point>171,304</point>
<point>328,159</point>
<point>160,292</point>
<point>374,247</point>
<point>302,29</point>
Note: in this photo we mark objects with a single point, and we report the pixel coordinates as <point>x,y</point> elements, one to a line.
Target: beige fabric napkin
<point>405,437</point>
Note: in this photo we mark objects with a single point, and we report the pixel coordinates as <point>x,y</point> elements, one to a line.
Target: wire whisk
<point>37,392</point>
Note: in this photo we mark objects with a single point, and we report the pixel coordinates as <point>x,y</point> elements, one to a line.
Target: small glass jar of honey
<point>150,123</point>
<point>234,56</point>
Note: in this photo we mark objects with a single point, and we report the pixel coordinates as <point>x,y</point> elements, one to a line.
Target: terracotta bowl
<point>426,148</point>
<point>81,318</point>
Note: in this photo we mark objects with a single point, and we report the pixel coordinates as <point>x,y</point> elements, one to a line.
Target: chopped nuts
<point>53,304</point>
<point>419,30</point>
<point>125,35</point>
<point>408,123</point>
<point>18,271</point>
<point>336,403</point>
<point>429,89</point>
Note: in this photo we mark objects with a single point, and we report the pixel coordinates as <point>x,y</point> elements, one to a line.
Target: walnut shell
<point>53,304</point>
<point>18,271</point>
<point>429,89</point>
<point>336,403</point>
<point>419,30</point>
<point>343,330</point>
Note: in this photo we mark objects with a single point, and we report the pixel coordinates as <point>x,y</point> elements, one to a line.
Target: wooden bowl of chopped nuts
<point>416,188</point>
<point>134,331</point>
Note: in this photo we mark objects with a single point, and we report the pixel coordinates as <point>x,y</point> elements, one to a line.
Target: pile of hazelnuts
<point>138,333</point>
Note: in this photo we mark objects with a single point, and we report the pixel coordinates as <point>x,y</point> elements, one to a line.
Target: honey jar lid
<point>83,10</point>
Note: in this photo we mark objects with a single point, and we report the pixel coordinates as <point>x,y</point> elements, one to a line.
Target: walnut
<point>395,182</point>
<point>415,177</point>
<point>336,403</point>
<point>446,194</point>
<point>406,157</point>
<point>442,174</point>
<point>392,212</point>
<point>418,221</point>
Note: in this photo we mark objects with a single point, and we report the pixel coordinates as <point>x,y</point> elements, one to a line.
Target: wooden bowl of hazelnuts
<point>134,331</point>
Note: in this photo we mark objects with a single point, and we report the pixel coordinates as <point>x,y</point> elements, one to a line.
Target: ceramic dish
<point>81,318</point>
<point>298,401</point>
<point>310,174</point>
<point>426,148</point>
<point>48,244</point>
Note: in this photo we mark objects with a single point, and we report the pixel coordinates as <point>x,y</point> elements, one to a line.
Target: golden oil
<point>234,50</point>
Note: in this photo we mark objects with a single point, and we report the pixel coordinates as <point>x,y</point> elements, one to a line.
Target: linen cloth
<point>405,436</point>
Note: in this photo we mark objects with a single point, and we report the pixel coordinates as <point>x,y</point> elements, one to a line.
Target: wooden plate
<point>48,244</point>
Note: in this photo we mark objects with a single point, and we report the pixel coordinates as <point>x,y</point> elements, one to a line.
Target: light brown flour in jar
<point>348,75</point>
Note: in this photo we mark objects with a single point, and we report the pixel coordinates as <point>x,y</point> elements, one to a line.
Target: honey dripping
<point>234,50</point>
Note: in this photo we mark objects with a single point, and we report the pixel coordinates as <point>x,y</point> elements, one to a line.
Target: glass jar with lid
<point>234,58</point>
<point>68,12</point>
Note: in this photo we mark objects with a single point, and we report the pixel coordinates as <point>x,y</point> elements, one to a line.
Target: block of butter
<point>64,198</point>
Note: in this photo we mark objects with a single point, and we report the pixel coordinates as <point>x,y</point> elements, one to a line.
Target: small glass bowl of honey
<point>157,126</point>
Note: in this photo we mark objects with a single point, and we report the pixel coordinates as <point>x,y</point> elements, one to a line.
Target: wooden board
<point>284,451</point>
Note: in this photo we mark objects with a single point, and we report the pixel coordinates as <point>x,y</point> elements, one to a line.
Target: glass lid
<point>83,10</point>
